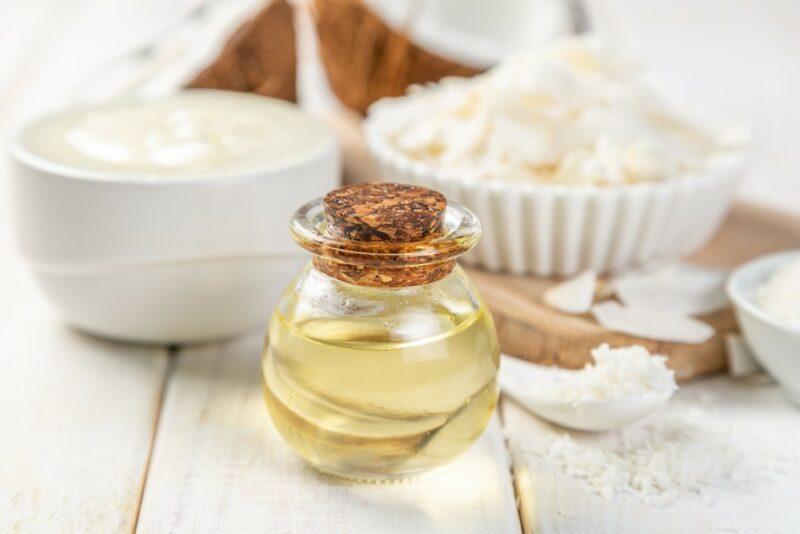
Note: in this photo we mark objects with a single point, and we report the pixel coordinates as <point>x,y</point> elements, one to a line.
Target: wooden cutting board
<point>533,331</point>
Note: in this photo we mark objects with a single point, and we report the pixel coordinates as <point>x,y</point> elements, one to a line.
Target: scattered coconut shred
<point>682,452</point>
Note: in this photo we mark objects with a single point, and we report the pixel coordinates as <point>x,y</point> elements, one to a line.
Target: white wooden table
<point>103,437</point>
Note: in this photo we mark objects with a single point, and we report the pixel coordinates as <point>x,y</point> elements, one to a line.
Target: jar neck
<point>386,275</point>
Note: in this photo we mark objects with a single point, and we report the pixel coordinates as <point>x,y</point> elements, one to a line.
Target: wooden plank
<point>77,416</point>
<point>218,464</point>
<point>22,26</point>
<point>551,501</point>
<point>47,53</point>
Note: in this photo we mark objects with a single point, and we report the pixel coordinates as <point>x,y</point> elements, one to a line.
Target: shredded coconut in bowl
<point>574,113</point>
<point>616,373</point>
<point>779,295</point>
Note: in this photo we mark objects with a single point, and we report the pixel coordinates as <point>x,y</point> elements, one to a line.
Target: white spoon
<point>518,380</point>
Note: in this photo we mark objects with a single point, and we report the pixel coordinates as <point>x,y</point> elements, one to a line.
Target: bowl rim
<point>762,265</point>
<point>27,158</point>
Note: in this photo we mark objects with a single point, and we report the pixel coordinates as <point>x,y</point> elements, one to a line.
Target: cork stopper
<point>390,219</point>
<point>392,213</point>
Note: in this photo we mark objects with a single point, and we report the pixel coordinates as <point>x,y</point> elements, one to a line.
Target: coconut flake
<point>741,361</point>
<point>576,112</point>
<point>651,324</point>
<point>574,295</point>
<point>676,288</point>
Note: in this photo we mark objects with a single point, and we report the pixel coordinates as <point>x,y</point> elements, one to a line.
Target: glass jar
<point>382,360</point>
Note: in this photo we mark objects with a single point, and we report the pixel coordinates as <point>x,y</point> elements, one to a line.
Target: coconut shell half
<point>367,60</point>
<point>260,57</point>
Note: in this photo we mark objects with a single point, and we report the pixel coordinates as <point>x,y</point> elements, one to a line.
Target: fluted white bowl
<point>547,230</point>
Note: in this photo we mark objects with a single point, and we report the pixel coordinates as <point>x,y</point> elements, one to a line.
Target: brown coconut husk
<point>367,60</point>
<point>260,57</point>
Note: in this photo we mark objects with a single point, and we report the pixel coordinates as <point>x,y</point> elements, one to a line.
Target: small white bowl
<point>547,230</point>
<point>775,344</point>
<point>168,260</point>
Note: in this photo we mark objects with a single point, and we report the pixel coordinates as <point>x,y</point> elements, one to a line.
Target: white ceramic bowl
<point>560,230</point>
<point>775,344</point>
<point>171,260</point>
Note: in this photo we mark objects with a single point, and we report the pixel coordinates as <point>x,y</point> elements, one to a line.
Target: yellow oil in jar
<point>384,394</point>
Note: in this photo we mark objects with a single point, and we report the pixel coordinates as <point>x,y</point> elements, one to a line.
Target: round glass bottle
<point>381,359</point>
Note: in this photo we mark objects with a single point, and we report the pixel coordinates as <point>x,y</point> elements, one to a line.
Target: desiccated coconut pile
<point>616,373</point>
<point>683,452</point>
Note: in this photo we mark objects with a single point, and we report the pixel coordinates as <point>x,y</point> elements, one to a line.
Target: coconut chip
<point>574,295</point>
<point>741,361</point>
<point>651,324</point>
<point>675,288</point>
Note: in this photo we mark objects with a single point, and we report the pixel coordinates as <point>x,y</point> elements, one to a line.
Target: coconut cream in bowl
<point>766,297</point>
<point>568,157</point>
<point>164,220</point>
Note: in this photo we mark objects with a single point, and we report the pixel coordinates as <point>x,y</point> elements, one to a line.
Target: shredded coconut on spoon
<point>622,386</point>
<point>684,452</point>
<point>618,372</point>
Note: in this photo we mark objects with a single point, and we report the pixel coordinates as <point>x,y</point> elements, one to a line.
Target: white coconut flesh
<point>741,361</point>
<point>651,324</point>
<point>574,295</point>
<point>677,288</point>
